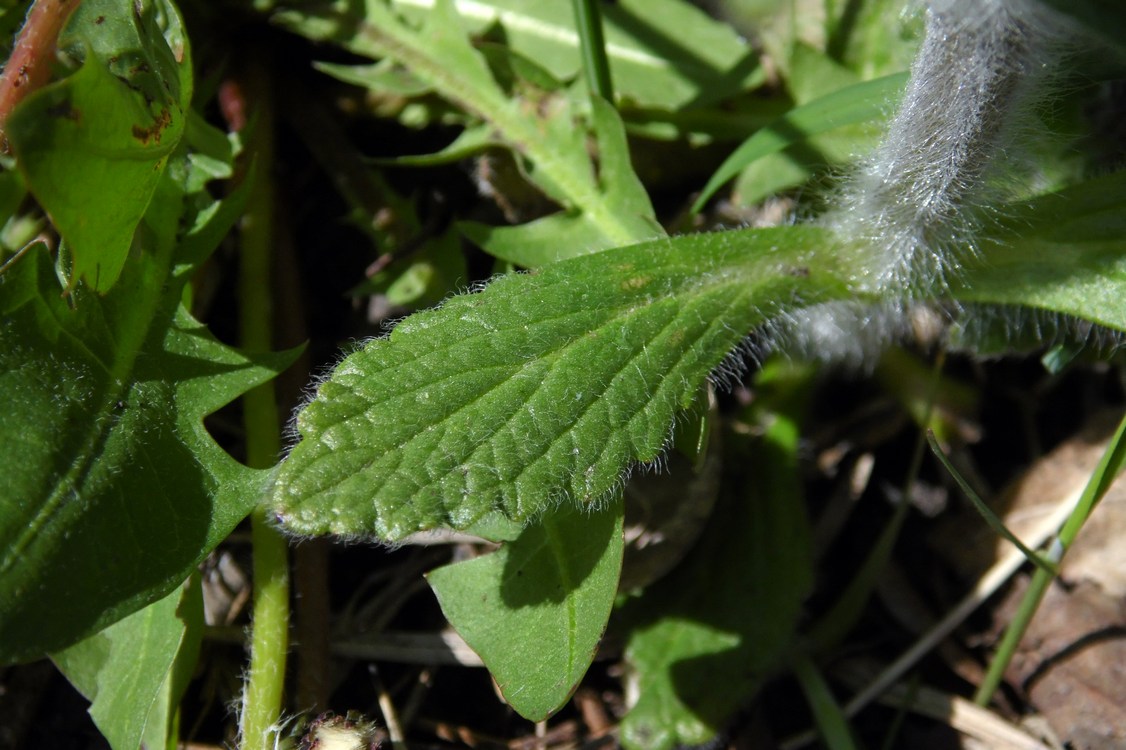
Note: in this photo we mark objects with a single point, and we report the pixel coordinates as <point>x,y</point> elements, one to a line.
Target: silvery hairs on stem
<point>915,206</point>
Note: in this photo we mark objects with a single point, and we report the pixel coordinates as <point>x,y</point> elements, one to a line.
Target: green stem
<point>265,682</point>
<point>1111,464</point>
<point>596,66</point>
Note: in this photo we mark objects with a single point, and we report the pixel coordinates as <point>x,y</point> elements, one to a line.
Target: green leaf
<point>854,104</point>
<point>543,134</point>
<point>544,385</point>
<point>92,146</point>
<point>832,723</point>
<point>1064,252</point>
<point>128,670</point>
<point>114,490</point>
<point>534,611</point>
<point>662,53</point>
<point>427,279</point>
<point>705,638</point>
<point>566,235</point>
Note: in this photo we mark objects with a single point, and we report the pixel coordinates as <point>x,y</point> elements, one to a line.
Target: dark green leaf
<point>114,489</point>
<point>1064,252</point>
<point>705,638</point>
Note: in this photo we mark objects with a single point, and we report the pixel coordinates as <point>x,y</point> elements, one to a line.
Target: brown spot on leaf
<point>99,20</point>
<point>153,133</point>
<point>65,110</point>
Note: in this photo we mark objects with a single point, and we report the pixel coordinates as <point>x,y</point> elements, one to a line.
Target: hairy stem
<point>265,682</point>
<point>980,69</point>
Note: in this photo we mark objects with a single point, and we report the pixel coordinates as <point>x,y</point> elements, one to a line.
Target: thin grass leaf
<point>848,106</point>
<point>986,512</point>
<point>831,722</point>
<point>1110,467</point>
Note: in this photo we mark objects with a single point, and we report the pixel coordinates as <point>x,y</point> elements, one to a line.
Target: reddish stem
<point>29,67</point>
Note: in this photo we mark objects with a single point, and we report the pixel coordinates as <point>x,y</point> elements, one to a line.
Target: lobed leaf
<point>662,53</point>
<point>566,235</point>
<point>542,386</point>
<point>553,588</point>
<point>546,138</point>
<point>114,490</point>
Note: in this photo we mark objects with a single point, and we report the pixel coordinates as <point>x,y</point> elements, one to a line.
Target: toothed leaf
<point>544,386</point>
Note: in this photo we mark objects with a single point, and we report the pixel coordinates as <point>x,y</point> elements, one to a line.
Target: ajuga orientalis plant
<point>534,390</point>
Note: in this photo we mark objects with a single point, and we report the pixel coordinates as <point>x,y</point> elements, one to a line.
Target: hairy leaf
<point>545,385</point>
<point>1064,252</point>
<point>553,588</point>
<point>92,146</point>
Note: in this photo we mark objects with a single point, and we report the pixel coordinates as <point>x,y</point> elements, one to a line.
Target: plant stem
<point>1108,469</point>
<point>29,66</point>
<point>265,682</point>
<point>596,66</point>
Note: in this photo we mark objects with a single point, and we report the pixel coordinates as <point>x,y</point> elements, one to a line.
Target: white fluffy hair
<point>919,199</point>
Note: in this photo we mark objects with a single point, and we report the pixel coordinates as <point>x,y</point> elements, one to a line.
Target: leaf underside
<point>553,588</point>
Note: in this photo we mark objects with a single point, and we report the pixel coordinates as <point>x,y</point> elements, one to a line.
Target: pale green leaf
<point>662,53</point>
<point>552,588</point>
<point>565,235</point>
<point>382,76</point>
<point>545,385</point>
<point>92,146</point>
<point>546,136</point>
<point>854,104</point>
<point>127,670</point>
